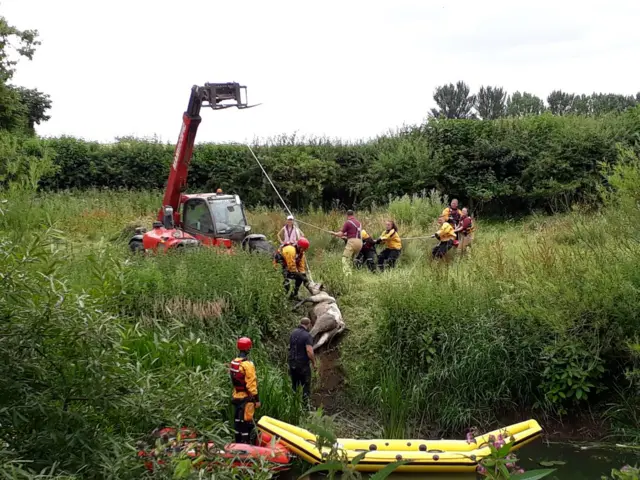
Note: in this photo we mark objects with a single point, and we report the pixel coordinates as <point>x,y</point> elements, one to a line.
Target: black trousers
<point>388,257</point>
<point>245,429</point>
<point>441,249</point>
<point>296,278</point>
<point>301,377</point>
<point>368,258</point>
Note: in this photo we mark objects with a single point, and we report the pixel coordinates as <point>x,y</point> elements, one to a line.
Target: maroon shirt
<point>352,228</point>
<point>466,224</point>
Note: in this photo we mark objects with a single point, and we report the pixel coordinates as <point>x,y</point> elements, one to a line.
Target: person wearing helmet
<point>294,265</point>
<point>245,397</point>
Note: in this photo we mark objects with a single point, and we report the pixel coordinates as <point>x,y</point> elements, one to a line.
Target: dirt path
<point>328,387</point>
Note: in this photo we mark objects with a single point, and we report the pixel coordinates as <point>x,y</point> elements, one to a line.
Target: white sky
<point>349,69</point>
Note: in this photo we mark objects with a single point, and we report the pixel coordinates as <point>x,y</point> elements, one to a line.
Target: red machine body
<point>209,219</point>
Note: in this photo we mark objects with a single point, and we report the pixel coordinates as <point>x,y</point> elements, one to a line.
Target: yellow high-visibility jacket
<point>391,240</point>
<point>364,234</point>
<point>446,233</point>
<point>447,214</point>
<point>251,380</point>
<point>294,261</point>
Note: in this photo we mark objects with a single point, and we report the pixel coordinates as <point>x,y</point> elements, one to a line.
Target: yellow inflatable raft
<point>423,455</point>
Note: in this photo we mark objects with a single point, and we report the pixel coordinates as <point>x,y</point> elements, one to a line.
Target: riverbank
<point>102,347</point>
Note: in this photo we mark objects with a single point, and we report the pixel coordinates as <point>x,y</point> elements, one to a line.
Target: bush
<point>503,167</point>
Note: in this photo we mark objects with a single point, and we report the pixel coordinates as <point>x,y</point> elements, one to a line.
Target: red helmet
<point>303,243</point>
<point>244,344</point>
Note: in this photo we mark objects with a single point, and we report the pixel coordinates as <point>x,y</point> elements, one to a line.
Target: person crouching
<point>294,266</point>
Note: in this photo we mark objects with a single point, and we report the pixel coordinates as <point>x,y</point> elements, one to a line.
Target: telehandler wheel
<point>261,246</point>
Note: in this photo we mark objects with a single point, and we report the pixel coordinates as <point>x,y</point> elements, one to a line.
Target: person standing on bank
<point>290,233</point>
<point>300,355</point>
<point>245,397</point>
<point>352,232</point>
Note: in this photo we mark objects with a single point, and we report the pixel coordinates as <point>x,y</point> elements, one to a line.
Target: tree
<point>561,103</point>
<point>20,108</point>
<point>12,42</point>
<point>609,102</point>
<point>523,104</point>
<point>35,105</point>
<point>454,101</point>
<point>12,110</point>
<point>491,103</point>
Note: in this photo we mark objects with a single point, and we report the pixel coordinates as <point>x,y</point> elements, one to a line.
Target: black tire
<point>136,246</point>
<point>261,246</point>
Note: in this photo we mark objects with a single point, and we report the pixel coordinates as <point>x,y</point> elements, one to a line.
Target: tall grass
<point>99,347</point>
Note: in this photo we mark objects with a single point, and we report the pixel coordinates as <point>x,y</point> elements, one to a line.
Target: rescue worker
<point>245,393</point>
<point>367,253</point>
<point>352,232</point>
<point>294,265</point>
<point>392,246</point>
<point>447,236</point>
<point>452,213</point>
<point>300,355</point>
<point>290,233</point>
<point>465,230</point>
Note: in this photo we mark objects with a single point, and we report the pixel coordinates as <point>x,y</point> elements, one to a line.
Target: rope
<point>282,200</point>
<point>269,178</point>
<point>314,226</point>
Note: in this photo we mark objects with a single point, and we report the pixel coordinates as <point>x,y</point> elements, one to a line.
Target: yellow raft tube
<point>444,456</point>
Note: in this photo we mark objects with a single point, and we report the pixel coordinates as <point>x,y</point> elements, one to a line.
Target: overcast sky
<point>349,68</point>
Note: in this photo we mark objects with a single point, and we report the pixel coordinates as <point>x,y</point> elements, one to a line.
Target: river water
<point>579,462</point>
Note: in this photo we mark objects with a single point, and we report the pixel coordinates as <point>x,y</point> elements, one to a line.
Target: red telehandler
<point>210,219</point>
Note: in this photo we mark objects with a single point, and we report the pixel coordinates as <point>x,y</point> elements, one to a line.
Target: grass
<point>536,318</point>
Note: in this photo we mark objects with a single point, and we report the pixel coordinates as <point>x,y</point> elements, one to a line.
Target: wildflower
<point>471,438</point>
<point>492,439</point>
<point>481,470</point>
<point>626,469</point>
<point>520,471</point>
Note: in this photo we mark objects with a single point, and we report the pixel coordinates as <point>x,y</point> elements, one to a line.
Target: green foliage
<point>571,371</point>
<point>36,105</point>
<point>491,103</point>
<point>24,162</point>
<point>501,464</point>
<point>625,473</point>
<point>20,108</point>
<point>523,104</point>
<point>335,458</point>
<point>14,43</point>
<point>454,101</point>
<point>504,167</point>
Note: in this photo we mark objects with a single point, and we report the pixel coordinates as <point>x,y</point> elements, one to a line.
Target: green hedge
<point>499,166</point>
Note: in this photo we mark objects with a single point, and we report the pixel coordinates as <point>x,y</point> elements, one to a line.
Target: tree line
<point>506,167</point>
<point>491,103</point>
